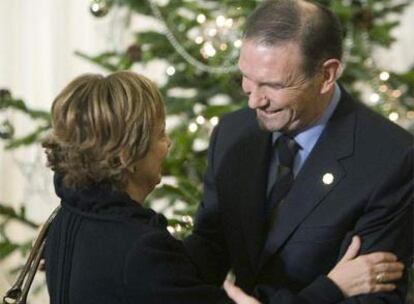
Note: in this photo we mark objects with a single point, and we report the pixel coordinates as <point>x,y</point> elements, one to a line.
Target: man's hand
<point>238,295</point>
<point>365,273</point>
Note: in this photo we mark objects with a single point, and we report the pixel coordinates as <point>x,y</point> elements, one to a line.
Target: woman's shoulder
<point>155,243</point>
<point>156,258</point>
<point>157,269</point>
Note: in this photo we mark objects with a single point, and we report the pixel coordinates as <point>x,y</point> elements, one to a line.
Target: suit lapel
<point>320,174</point>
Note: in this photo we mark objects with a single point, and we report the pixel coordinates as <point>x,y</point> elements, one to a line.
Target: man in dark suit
<point>294,177</point>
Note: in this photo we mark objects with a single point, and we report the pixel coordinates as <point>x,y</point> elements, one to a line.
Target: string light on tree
<point>170,71</point>
<point>394,116</point>
<point>201,18</point>
<point>237,43</point>
<point>193,127</point>
<point>214,121</point>
<point>178,228</point>
<point>199,40</point>
<point>384,76</point>
<point>374,98</point>
<point>208,50</point>
<point>212,32</point>
<point>188,220</point>
<point>200,120</point>
<point>221,21</point>
<point>229,23</point>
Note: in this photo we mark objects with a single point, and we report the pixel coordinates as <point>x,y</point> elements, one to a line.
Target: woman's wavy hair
<point>96,120</point>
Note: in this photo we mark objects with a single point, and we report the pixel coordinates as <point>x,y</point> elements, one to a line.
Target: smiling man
<point>283,97</point>
<point>294,177</point>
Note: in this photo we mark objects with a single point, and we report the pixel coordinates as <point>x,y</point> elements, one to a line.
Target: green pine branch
<point>9,213</point>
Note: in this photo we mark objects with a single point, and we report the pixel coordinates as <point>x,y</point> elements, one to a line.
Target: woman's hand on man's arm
<point>369,273</point>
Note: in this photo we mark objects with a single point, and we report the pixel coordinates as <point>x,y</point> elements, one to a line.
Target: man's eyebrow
<point>271,82</point>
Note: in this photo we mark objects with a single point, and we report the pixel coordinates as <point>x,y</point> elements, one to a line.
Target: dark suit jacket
<point>371,195</point>
<point>103,247</point>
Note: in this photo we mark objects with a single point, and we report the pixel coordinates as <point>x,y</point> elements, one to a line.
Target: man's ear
<point>331,70</point>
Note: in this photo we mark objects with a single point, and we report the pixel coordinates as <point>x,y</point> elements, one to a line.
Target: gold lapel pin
<point>328,178</point>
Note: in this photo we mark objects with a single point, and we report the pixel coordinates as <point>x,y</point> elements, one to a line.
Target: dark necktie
<point>286,149</point>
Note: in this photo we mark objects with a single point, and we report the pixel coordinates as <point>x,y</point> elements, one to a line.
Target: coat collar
<point>103,202</point>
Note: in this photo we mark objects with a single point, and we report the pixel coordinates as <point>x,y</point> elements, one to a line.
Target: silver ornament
<point>100,8</point>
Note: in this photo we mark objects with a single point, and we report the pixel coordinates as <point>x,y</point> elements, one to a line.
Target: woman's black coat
<point>103,247</point>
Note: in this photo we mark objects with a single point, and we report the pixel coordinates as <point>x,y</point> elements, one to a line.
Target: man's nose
<point>257,99</point>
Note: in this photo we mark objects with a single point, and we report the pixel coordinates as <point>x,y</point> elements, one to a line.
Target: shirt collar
<point>308,138</point>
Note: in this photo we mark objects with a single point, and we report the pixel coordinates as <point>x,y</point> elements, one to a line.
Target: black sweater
<point>103,247</point>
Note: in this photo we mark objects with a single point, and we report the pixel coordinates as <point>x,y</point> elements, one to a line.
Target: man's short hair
<point>317,29</point>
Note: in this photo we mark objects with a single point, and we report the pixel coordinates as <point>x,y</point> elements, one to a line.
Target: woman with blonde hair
<point>106,148</point>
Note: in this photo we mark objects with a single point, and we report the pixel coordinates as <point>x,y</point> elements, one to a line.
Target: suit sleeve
<point>158,271</point>
<point>206,245</point>
<point>387,225</point>
<point>322,291</point>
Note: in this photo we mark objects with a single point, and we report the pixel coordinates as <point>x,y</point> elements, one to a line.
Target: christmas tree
<point>199,42</point>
